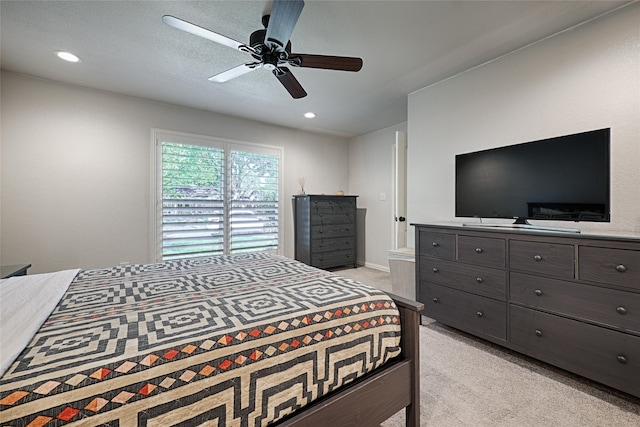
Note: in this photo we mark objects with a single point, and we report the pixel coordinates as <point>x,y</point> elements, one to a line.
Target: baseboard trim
<point>376,266</point>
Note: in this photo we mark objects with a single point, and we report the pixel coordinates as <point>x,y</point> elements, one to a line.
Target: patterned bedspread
<point>238,340</point>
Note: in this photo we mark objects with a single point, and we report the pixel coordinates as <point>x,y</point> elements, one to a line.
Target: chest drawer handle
<point>538,292</point>
<point>478,250</point>
<point>479,279</point>
<point>621,268</point>
<point>622,359</point>
<point>435,270</point>
<point>621,310</point>
<point>538,333</point>
<point>479,314</point>
<point>538,258</point>
<point>436,300</point>
<point>435,244</point>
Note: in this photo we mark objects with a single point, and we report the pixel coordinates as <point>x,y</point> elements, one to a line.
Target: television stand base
<point>525,227</point>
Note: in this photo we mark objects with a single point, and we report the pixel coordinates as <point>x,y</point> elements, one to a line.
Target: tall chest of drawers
<point>325,230</point>
<point>570,300</point>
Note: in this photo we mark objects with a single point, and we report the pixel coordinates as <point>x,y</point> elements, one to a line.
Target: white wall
<point>583,79</point>
<point>371,173</point>
<point>76,171</point>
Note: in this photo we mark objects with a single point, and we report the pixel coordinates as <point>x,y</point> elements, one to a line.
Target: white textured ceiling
<point>405,46</point>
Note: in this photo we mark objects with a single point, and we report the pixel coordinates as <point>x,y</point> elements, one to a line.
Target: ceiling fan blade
<point>235,72</point>
<point>289,82</point>
<point>283,19</point>
<point>203,32</point>
<point>342,63</point>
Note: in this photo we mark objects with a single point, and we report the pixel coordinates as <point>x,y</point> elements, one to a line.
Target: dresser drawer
<point>333,258</point>
<point>542,258</point>
<point>439,245</point>
<point>610,357</point>
<point>485,251</point>
<point>334,204</point>
<point>330,231</point>
<point>333,218</point>
<point>618,267</point>
<point>336,244</point>
<point>474,279</point>
<point>472,313</point>
<point>608,306</point>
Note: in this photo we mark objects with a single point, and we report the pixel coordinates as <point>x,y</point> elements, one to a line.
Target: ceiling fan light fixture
<point>67,56</point>
<point>310,115</point>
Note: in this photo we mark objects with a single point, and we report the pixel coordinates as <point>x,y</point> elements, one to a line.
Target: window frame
<point>157,134</point>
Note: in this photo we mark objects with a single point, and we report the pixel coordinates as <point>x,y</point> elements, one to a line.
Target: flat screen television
<point>561,179</point>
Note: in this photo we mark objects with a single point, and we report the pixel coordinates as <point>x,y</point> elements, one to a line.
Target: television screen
<point>564,178</point>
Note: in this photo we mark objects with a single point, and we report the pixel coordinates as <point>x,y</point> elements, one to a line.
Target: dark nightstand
<point>7,271</point>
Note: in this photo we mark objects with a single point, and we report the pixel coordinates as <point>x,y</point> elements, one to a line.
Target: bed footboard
<point>373,399</point>
<point>410,319</point>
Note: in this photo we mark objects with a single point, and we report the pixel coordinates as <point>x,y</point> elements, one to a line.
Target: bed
<point>241,340</point>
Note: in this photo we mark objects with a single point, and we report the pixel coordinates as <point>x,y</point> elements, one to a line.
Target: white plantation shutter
<point>215,197</point>
<point>192,200</point>
<point>254,195</point>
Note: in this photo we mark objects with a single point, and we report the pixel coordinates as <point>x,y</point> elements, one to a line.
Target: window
<point>214,197</point>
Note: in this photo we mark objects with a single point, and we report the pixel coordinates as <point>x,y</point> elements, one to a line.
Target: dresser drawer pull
<point>538,333</point>
<point>435,270</point>
<point>479,314</point>
<point>622,359</point>
<point>479,279</point>
<point>478,250</point>
<point>621,268</point>
<point>435,244</point>
<point>538,258</point>
<point>621,310</point>
<point>538,292</point>
<point>436,300</point>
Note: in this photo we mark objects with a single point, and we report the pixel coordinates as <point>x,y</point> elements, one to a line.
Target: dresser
<point>325,230</point>
<point>571,300</point>
<point>13,270</point>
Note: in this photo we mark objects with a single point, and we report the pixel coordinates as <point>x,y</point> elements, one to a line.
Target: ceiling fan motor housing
<point>256,41</point>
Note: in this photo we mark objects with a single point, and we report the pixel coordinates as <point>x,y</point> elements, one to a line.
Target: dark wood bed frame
<point>376,397</point>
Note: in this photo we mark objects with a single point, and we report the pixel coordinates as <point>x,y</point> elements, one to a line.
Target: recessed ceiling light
<point>67,56</point>
<point>309,115</point>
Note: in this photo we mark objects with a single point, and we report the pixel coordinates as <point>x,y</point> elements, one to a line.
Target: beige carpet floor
<point>466,381</point>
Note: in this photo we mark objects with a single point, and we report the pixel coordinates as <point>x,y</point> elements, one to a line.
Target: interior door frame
<point>399,174</point>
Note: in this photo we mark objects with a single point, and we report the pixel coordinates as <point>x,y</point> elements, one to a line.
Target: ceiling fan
<point>271,48</point>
